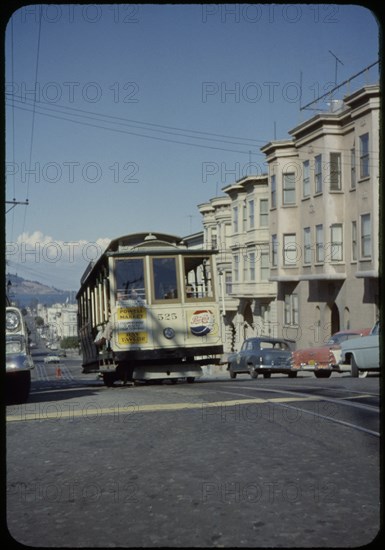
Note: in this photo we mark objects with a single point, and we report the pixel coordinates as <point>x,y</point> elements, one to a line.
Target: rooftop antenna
<point>336,66</point>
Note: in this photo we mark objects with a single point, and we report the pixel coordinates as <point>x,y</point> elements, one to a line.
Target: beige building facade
<point>324,221</point>
<point>238,226</point>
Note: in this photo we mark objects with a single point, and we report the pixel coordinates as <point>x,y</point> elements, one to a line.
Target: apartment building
<point>324,220</point>
<point>238,226</point>
<point>60,320</point>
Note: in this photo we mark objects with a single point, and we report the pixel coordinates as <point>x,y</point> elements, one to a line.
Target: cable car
<point>148,310</point>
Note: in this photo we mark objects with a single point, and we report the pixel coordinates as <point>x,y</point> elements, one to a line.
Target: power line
<point>15,203</point>
<point>129,122</point>
<point>33,114</point>
<point>137,134</point>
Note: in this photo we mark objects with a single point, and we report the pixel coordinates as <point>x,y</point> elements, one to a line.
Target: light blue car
<point>362,354</point>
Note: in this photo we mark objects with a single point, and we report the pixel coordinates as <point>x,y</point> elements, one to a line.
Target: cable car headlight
<point>169,333</point>
<point>12,320</point>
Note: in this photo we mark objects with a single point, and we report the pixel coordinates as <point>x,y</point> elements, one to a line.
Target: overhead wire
<point>162,128</point>
<point>33,116</point>
<point>123,131</point>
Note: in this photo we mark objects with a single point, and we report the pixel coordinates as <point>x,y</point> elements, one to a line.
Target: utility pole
<point>15,203</point>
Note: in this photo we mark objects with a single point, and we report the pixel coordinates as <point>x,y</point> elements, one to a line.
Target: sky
<point>124,118</point>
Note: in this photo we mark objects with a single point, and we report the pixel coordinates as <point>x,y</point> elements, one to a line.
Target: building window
<point>354,241</point>
<point>366,236</point>
<point>274,251</point>
<point>306,178</point>
<point>318,173</point>
<point>263,213</point>
<point>307,245</point>
<point>236,268</point>
<point>251,259</point>
<point>228,282</point>
<point>335,172</point>
<point>265,270</point>
<point>289,250</point>
<point>235,219</point>
<point>244,216</point>
<point>319,243</point>
<point>336,240</point>
<point>291,309</point>
<point>289,188</point>
<point>251,214</point>
<point>273,192</point>
<point>214,239</point>
<point>245,264</point>
<point>364,156</point>
<point>353,179</point>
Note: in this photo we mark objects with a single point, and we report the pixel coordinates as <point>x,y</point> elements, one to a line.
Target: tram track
<point>302,396</point>
<point>58,376</point>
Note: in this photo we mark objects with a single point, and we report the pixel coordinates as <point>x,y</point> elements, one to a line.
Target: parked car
<point>362,354</point>
<point>18,360</point>
<point>323,360</point>
<point>262,355</point>
<point>52,359</point>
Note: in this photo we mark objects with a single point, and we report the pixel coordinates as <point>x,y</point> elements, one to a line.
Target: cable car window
<point>129,275</point>
<point>165,278</point>
<point>198,277</point>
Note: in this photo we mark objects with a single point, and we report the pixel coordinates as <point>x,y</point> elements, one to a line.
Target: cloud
<point>44,257</point>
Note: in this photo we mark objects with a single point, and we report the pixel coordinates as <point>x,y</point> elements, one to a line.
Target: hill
<point>24,292</point>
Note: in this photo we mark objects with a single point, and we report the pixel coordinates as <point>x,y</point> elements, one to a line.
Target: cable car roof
<point>144,240</point>
<point>142,243</point>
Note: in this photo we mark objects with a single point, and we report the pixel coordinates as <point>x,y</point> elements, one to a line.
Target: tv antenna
<point>336,66</point>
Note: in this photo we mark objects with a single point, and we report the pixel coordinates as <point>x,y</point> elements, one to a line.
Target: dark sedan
<point>263,355</point>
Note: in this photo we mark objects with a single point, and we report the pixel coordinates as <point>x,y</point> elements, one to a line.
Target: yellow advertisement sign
<point>127,338</point>
<point>131,313</point>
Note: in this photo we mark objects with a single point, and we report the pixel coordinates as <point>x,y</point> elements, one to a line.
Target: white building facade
<point>60,320</point>
<point>238,226</point>
<point>324,221</point>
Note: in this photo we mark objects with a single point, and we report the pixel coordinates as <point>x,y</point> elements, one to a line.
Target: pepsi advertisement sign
<point>202,322</point>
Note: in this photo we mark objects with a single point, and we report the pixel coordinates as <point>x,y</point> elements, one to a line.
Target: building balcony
<point>253,290</point>
<point>323,272</point>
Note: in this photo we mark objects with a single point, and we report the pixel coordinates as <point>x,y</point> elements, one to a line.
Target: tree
<point>69,342</point>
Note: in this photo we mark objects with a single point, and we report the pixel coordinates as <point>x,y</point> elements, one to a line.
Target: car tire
<point>354,368</point>
<point>18,387</point>
<point>232,373</point>
<point>322,374</point>
<point>267,375</point>
<point>253,373</point>
<point>292,374</point>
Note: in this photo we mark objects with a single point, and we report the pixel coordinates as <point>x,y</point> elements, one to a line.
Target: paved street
<point>218,463</point>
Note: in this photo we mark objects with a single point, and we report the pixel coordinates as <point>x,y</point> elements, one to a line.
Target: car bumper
<point>273,368</point>
<point>18,363</point>
<point>319,366</point>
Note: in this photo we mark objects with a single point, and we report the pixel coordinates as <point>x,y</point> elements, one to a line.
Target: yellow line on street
<point>65,411</point>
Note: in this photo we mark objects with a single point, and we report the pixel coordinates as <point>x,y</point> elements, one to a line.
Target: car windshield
<point>270,345</point>
<point>339,338</point>
<point>376,329</point>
